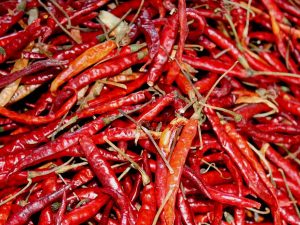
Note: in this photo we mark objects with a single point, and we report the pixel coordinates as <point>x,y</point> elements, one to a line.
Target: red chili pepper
<point>216,194</point>
<point>102,169</point>
<point>118,92</point>
<point>148,210</point>
<point>62,209</point>
<point>40,78</point>
<point>8,20</point>
<point>213,65</point>
<point>33,68</point>
<point>23,215</point>
<point>134,98</point>
<point>250,176</point>
<point>185,210</point>
<point>146,25</point>
<point>166,42</point>
<point>83,213</point>
<point>47,216</point>
<point>20,41</point>
<point>33,120</point>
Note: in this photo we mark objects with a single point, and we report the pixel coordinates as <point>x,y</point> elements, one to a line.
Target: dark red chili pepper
<point>213,65</point>
<point>166,42</point>
<point>146,25</point>
<point>122,8</point>
<point>134,98</point>
<point>102,169</point>
<point>33,68</point>
<point>215,194</point>
<point>23,215</point>
<point>62,209</point>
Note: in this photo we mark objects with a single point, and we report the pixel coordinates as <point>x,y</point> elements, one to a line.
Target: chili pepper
<point>217,195</point>
<point>33,68</point>
<point>185,210</point>
<point>106,69</point>
<point>136,189</point>
<point>271,137</point>
<point>8,20</point>
<point>23,215</point>
<point>157,107</point>
<point>84,18</point>
<point>145,24</point>
<point>290,170</point>
<point>166,42</point>
<point>32,55</point>
<point>181,149</point>
<point>61,210</point>
<point>102,169</point>
<point>73,52</point>
<point>122,8</point>
<point>148,210</point>
<point>118,92</point>
<point>86,10</point>
<point>30,119</point>
<point>100,166</point>
<point>20,41</point>
<point>51,149</point>
<point>213,65</point>
<point>109,106</point>
<point>40,78</point>
<point>250,176</point>
<point>47,216</point>
<point>288,103</point>
<point>86,59</point>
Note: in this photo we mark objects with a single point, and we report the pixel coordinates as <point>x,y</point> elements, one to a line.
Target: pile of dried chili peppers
<point>150,112</point>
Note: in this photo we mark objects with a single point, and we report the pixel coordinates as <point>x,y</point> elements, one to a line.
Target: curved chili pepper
<point>213,65</point>
<point>23,215</point>
<point>134,98</point>
<point>147,27</point>
<point>102,169</point>
<point>31,119</point>
<point>86,59</point>
<point>250,176</point>
<point>166,42</point>
<point>33,68</point>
